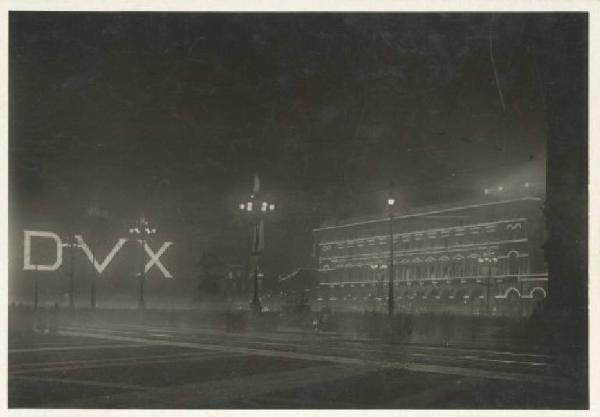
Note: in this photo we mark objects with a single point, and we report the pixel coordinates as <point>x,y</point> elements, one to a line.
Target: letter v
<point>109,257</point>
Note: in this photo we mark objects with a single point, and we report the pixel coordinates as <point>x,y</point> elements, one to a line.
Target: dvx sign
<point>154,257</point>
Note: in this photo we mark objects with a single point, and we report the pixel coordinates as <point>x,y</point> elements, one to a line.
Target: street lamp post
<point>257,210</point>
<point>72,245</point>
<point>391,201</point>
<point>93,285</point>
<point>72,274</point>
<point>35,289</point>
<point>489,259</point>
<point>142,230</point>
<point>380,269</point>
<point>255,303</point>
<point>98,216</point>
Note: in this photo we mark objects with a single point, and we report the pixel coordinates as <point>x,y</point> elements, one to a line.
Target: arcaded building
<point>471,258</point>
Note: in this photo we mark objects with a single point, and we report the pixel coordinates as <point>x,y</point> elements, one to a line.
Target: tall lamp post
<point>379,269</point>
<point>98,216</point>
<point>35,289</point>
<point>72,245</point>
<point>256,209</point>
<point>489,259</point>
<point>142,230</point>
<point>93,286</point>
<point>391,201</point>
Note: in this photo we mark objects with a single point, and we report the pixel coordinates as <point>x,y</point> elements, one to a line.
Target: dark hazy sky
<point>171,114</point>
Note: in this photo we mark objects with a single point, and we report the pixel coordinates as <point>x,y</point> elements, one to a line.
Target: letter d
<point>27,265</point>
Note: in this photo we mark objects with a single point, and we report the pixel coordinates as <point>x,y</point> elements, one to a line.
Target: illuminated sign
<point>27,265</point>
<point>98,266</point>
<point>154,258</point>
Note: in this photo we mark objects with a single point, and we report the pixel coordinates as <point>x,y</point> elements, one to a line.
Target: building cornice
<point>426,213</point>
<point>423,232</point>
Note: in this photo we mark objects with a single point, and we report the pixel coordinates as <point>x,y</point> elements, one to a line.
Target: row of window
<point>426,240</point>
<point>512,265</point>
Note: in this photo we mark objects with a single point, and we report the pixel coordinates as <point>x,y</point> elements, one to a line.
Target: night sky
<point>171,114</point>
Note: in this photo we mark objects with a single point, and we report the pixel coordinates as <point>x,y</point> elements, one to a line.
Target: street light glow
<point>391,201</point>
<point>257,214</point>
<point>487,259</point>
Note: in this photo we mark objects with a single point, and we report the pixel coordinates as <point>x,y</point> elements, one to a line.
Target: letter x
<point>154,258</point>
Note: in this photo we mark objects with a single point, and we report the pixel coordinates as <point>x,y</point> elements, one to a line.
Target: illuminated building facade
<point>472,258</point>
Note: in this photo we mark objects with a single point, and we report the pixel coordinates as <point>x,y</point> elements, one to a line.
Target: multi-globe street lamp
<point>141,230</point>
<point>256,209</point>
<point>489,259</point>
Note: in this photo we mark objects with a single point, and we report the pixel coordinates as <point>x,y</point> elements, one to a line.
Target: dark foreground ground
<point>129,365</point>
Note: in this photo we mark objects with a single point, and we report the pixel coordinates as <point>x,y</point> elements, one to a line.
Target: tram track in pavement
<point>468,357</point>
<point>381,356</point>
<point>323,340</point>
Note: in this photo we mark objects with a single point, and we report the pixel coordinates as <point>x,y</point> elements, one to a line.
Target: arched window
<point>437,269</point>
<point>460,268</point>
<point>365,274</point>
<point>446,268</point>
<point>472,266</point>
<point>514,230</point>
<point>429,267</point>
<point>538,293</point>
<point>513,263</point>
<point>467,267</point>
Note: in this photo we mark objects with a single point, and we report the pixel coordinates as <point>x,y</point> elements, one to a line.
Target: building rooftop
<point>419,211</point>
